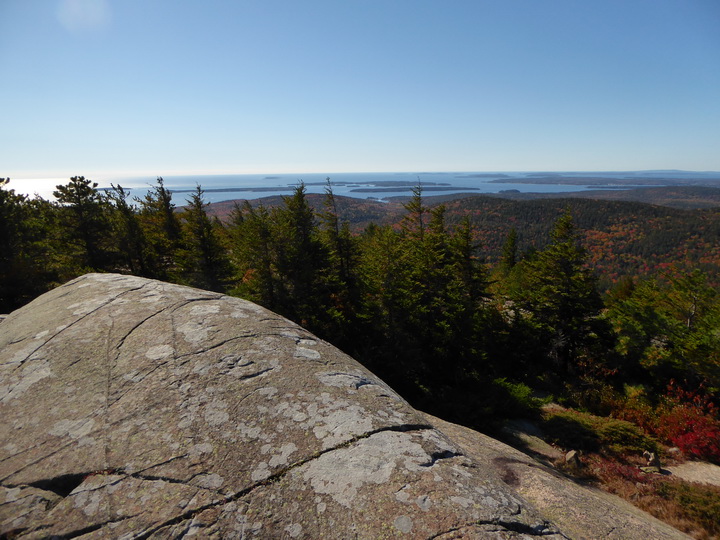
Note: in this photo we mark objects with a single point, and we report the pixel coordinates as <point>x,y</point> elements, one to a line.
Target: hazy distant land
<point>624,185</point>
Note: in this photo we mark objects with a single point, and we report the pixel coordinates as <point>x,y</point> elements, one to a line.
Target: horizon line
<point>134,174</point>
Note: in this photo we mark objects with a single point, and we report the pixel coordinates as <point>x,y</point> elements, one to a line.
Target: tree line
<point>414,301</point>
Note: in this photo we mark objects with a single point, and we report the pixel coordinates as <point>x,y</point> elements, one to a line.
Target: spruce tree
<point>341,280</point>
<point>84,224</point>
<point>560,292</point>
<point>161,228</point>
<point>25,261</point>
<point>253,252</point>
<point>301,262</point>
<point>509,252</point>
<point>203,258</point>
<point>128,236</point>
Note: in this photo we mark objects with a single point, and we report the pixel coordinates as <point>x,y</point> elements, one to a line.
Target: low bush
<point>614,474</point>
<point>690,420</point>
<point>696,434</point>
<point>570,430</point>
<point>698,503</point>
<point>519,399</point>
<point>583,431</point>
<point>635,407</point>
<point>687,419</point>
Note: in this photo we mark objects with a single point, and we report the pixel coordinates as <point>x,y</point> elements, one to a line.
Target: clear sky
<point>153,87</point>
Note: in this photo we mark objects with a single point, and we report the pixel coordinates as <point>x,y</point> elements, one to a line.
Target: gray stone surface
<point>581,512</point>
<point>133,408</point>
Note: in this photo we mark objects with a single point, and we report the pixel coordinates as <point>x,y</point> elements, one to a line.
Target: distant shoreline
<point>384,186</point>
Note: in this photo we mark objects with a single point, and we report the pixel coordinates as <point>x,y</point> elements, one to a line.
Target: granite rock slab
<point>133,408</point>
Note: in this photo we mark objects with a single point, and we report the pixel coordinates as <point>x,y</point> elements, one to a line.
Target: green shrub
<point>483,406</point>
<point>583,431</point>
<point>622,437</point>
<point>516,399</point>
<point>570,430</point>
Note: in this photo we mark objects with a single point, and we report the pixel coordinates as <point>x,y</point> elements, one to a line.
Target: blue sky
<point>151,87</point>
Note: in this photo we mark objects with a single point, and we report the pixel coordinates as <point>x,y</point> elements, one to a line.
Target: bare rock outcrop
<point>132,408</point>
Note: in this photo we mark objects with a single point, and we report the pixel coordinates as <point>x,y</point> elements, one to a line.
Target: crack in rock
<point>437,456</point>
<point>30,354</point>
<point>345,380</point>
<point>276,476</point>
<point>256,374</point>
<point>90,528</point>
<point>124,338</point>
<point>541,529</point>
<point>216,345</point>
<point>38,460</point>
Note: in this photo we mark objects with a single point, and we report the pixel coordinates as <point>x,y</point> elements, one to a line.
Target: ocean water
<point>360,185</point>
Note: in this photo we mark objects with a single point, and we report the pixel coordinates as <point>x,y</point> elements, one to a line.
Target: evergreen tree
<point>12,229</point>
<point>203,258</point>
<point>301,261</point>
<point>426,287</point>
<point>341,278</point>
<point>415,220</point>
<point>24,252</point>
<point>669,328</point>
<point>161,228</point>
<point>560,293</point>
<point>509,252</point>
<point>128,236</point>
<point>383,282</point>
<point>84,225</point>
<point>253,253</point>
<point>469,268</point>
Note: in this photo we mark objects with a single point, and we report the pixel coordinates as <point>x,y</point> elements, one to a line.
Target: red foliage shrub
<point>691,421</point>
<point>638,412</point>
<point>609,470</point>
<point>695,433</point>
<point>694,398</point>
<point>685,418</point>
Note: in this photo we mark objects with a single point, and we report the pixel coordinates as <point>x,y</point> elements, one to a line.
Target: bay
<point>359,185</point>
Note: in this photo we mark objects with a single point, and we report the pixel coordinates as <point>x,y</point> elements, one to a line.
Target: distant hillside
<point>673,196</point>
<point>623,237</point>
<point>358,212</point>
